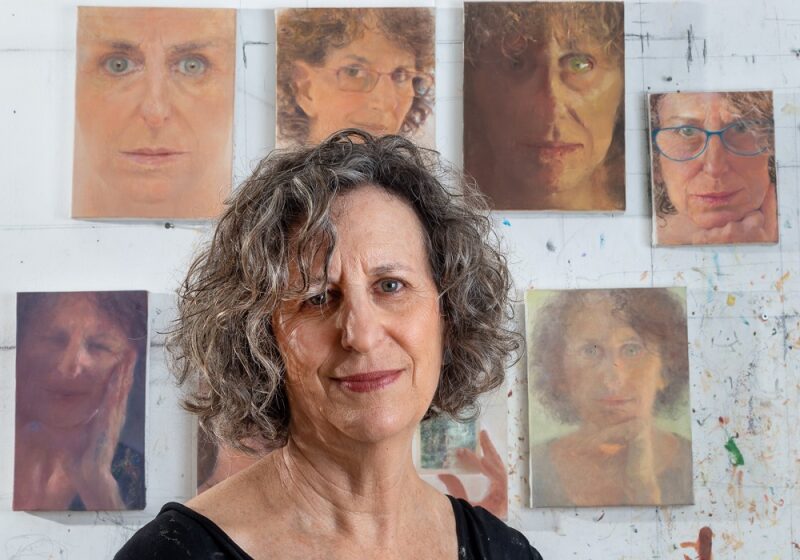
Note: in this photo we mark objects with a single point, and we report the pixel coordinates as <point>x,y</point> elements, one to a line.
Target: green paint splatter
<point>736,456</point>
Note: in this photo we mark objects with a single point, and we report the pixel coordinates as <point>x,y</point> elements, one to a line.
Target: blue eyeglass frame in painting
<point>709,133</point>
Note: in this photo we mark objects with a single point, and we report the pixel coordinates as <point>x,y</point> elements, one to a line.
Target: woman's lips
<point>368,381</point>
<point>614,401</point>
<point>714,198</point>
<point>153,157</point>
<point>547,150</point>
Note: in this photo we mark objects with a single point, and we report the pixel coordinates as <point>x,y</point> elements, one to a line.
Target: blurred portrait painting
<point>153,113</point>
<point>80,401</point>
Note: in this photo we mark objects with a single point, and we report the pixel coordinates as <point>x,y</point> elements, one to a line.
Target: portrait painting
<point>153,112</point>
<point>365,68</point>
<point>217,460</point>
<point>466,458</point>
<point>608,377</point>
<point>544,115</point>
<point>713,168</point>
<point>80,401</point>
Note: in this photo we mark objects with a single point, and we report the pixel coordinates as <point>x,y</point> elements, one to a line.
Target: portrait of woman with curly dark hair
<point>608,372</point>
<point>363,68</point>
<point>544,111</point>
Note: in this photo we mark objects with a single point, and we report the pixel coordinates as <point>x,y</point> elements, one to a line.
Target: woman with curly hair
<point>544,118</point>
<point>713,168</point>
<point>604,363</point>
<point>349,292</point>
<point>364,68</point>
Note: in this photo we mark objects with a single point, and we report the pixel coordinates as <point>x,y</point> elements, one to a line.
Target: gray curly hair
<point>223,335</point>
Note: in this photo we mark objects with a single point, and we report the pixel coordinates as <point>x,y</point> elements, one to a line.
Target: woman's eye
<point>590,350</point>
<point>401,76</point>
<point>687,131</point>
<point>390,286</point>
<point>192,66</point>
<point>118,65</point>
<point>578,63</point>
<point>98,347</point>
<point>353,71</point>
<point>631,350</point>
<point>318,300</point>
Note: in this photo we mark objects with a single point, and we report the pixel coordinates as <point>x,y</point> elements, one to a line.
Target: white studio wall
<point>743,302</point>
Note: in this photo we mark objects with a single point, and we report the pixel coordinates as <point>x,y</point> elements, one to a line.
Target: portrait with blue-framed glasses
<point>713,168</point>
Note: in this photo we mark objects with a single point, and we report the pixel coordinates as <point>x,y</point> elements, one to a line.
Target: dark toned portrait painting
<point>361,68</point>
<point>713,168</point>
<point>544,115</point>
<point>608,374</point>
<point>81,359</point>
<point>153,112</point>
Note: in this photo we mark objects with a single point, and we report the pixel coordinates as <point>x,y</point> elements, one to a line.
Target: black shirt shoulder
<point>179,533</point>
<point>482,536</point>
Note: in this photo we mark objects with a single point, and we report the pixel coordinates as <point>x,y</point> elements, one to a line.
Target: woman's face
<point>363,353</point>
<point>549,110</point>
<point>66,359</point>
<point>154,109</point>
<point>612,375</point>
<point>379,111</point>
<point>719,186</point>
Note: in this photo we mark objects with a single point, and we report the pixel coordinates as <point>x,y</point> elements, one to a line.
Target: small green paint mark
<point>736,455</point>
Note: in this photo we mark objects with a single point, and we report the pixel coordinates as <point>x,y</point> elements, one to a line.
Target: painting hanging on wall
<point>79,434</point>
<point>154,112</point>
<point>217,461</point>
<point>544,114</point>
<point>366,68</point>
<point>468,459</point>
<point>609,414</point>
<point>713,168</point>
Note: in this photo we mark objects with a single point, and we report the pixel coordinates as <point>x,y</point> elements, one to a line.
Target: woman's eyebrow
<point>388,268</point>
<point>122,46</point>
<point>184,48</point>
<point>358,58</point>
<point>684,119</point>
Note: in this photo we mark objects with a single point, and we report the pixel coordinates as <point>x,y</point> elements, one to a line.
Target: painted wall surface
<point>743,302</point>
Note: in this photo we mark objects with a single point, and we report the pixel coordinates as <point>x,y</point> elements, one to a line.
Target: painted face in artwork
<point>154,112</point>
<point>718,186</point>
<point>612,374</point>
<point>550,106</point>
<point>66,360</point>
<point>363,353</point>
<point>368,84</point>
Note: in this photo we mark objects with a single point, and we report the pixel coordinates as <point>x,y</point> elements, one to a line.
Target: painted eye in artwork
<point>590,350</point>
<point>192,65</point>
<point>631,349</point>
<point>578,63</point>
<point>118,65</point>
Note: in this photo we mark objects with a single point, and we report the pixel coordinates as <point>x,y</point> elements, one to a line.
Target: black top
<point>180,533</point>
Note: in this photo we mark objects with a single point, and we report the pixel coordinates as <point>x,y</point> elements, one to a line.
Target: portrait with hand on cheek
<point>153,112</point>
<point>80,401</point>
<point>608,373</point>
<point>713,168</point>
<point>544,112</point>
<point>364,68</point>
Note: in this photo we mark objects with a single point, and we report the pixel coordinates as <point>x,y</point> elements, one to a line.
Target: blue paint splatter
<point>602,240</point>
<point>506,222</point>
<point>716,263</point>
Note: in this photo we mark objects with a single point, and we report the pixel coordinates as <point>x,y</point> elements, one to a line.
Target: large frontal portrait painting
<point>609,412</point>
<point>361,68</point>
<point>81,359</point>
<point>713,168</point>
<point>544,116</point>
<point>153,112</point>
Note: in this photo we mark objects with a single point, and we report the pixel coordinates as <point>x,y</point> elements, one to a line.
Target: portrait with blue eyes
<point>364,68</point>
<point>80,370</point>
<point>608,374</point>
<point>713,168</point>
<point>544,115</point>
<point>153,112</point>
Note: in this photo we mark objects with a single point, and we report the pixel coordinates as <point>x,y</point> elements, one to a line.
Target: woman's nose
<point>360,324</point>
<point>155,107</point>
<point>715,158</point>
<point>547,95</point>
<point>611,373</point>
<point>384,96</point>
<point>72,360</point>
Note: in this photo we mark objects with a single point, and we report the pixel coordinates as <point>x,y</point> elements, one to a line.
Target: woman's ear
<point>301,80</point>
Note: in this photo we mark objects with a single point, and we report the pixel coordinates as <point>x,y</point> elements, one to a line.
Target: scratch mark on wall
<point>247,44</point>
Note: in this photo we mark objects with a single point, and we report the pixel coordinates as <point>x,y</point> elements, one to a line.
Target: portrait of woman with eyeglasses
<point>354,68</point>
<point>713,168</point>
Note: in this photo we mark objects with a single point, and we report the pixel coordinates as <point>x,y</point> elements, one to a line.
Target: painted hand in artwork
<point>490,464</point>
<point>760,225</point>
<point>90,470</point>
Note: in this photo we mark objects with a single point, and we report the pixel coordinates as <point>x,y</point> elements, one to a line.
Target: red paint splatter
<point>702,546</point>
